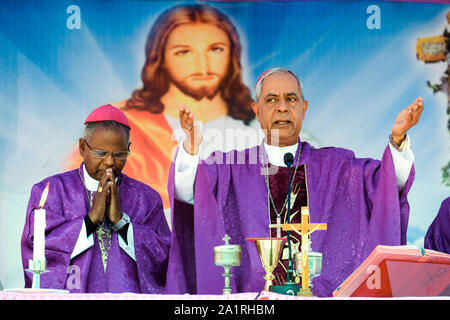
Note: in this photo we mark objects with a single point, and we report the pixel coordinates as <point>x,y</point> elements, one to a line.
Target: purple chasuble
<point>438,234</point>
<point>67,204</point>
<point>358,198</point>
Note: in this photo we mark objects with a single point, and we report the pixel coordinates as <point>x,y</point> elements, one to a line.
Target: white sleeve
<point>185,171</point>
<point>83,242</point>
<point>128,246</point>
<point>403,161</point>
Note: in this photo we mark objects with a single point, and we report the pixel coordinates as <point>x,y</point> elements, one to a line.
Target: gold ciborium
<point>269,250</point>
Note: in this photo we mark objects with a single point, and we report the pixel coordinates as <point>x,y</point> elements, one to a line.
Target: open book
<point>399,271</point>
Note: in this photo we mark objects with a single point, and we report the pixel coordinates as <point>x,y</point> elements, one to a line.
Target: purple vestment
<point>66,206</point>
<point>357,198</point>
<point>438,234</point>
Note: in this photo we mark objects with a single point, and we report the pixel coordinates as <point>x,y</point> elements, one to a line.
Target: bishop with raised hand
<point>241,193</point>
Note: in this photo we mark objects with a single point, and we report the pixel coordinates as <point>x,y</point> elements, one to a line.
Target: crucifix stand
<point>305,229</point>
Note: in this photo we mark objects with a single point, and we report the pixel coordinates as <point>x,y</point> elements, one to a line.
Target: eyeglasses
<point>102,154</point>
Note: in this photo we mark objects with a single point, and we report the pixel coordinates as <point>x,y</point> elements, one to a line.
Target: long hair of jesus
<point>156,80</point>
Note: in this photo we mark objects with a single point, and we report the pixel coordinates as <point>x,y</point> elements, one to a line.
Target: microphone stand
<point>290,270</point>
<point>289,287</point>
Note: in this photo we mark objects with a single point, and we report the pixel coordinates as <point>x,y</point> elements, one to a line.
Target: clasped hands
<point>106,202</point>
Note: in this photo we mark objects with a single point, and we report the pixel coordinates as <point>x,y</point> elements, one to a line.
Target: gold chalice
<point>269,250</point>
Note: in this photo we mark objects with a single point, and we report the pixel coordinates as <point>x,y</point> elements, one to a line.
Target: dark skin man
<point>103,159</point>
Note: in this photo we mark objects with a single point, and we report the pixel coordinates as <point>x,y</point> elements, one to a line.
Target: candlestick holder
<point>37,267</point>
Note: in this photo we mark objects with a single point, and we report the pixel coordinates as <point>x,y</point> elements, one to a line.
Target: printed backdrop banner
<point>359,62</point>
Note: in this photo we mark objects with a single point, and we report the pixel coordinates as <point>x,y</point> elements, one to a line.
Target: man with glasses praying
<point>105,232</point>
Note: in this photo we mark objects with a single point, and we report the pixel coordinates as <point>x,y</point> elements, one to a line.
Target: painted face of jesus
<point>196,58</point>
<point>280,109</point>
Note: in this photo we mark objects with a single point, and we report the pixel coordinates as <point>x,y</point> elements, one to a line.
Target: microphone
<point>288,161</point>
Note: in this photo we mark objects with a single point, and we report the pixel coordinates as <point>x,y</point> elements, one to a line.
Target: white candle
<point>39,227</point>
<point>39,235</point>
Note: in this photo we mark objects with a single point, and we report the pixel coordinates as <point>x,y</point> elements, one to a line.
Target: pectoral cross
<point>278,224</point>
<point>305,229</point>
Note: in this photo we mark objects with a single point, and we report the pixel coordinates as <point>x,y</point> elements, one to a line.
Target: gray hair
<point>271,71</point>
<point>106,125</point>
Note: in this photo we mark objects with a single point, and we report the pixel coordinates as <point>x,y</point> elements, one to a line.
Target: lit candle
<point>39,234</point>
<point>39,228</point>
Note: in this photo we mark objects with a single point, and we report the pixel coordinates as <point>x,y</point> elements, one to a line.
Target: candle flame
<point>44,195</point>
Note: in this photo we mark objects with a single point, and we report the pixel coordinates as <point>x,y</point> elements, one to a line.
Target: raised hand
<point>192,130</point>
<point>406,119</point>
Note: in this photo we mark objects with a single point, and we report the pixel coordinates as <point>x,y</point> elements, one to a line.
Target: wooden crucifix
<point>305,228</point>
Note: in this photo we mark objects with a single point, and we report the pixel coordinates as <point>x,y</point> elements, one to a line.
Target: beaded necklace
<point>270,198</point>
